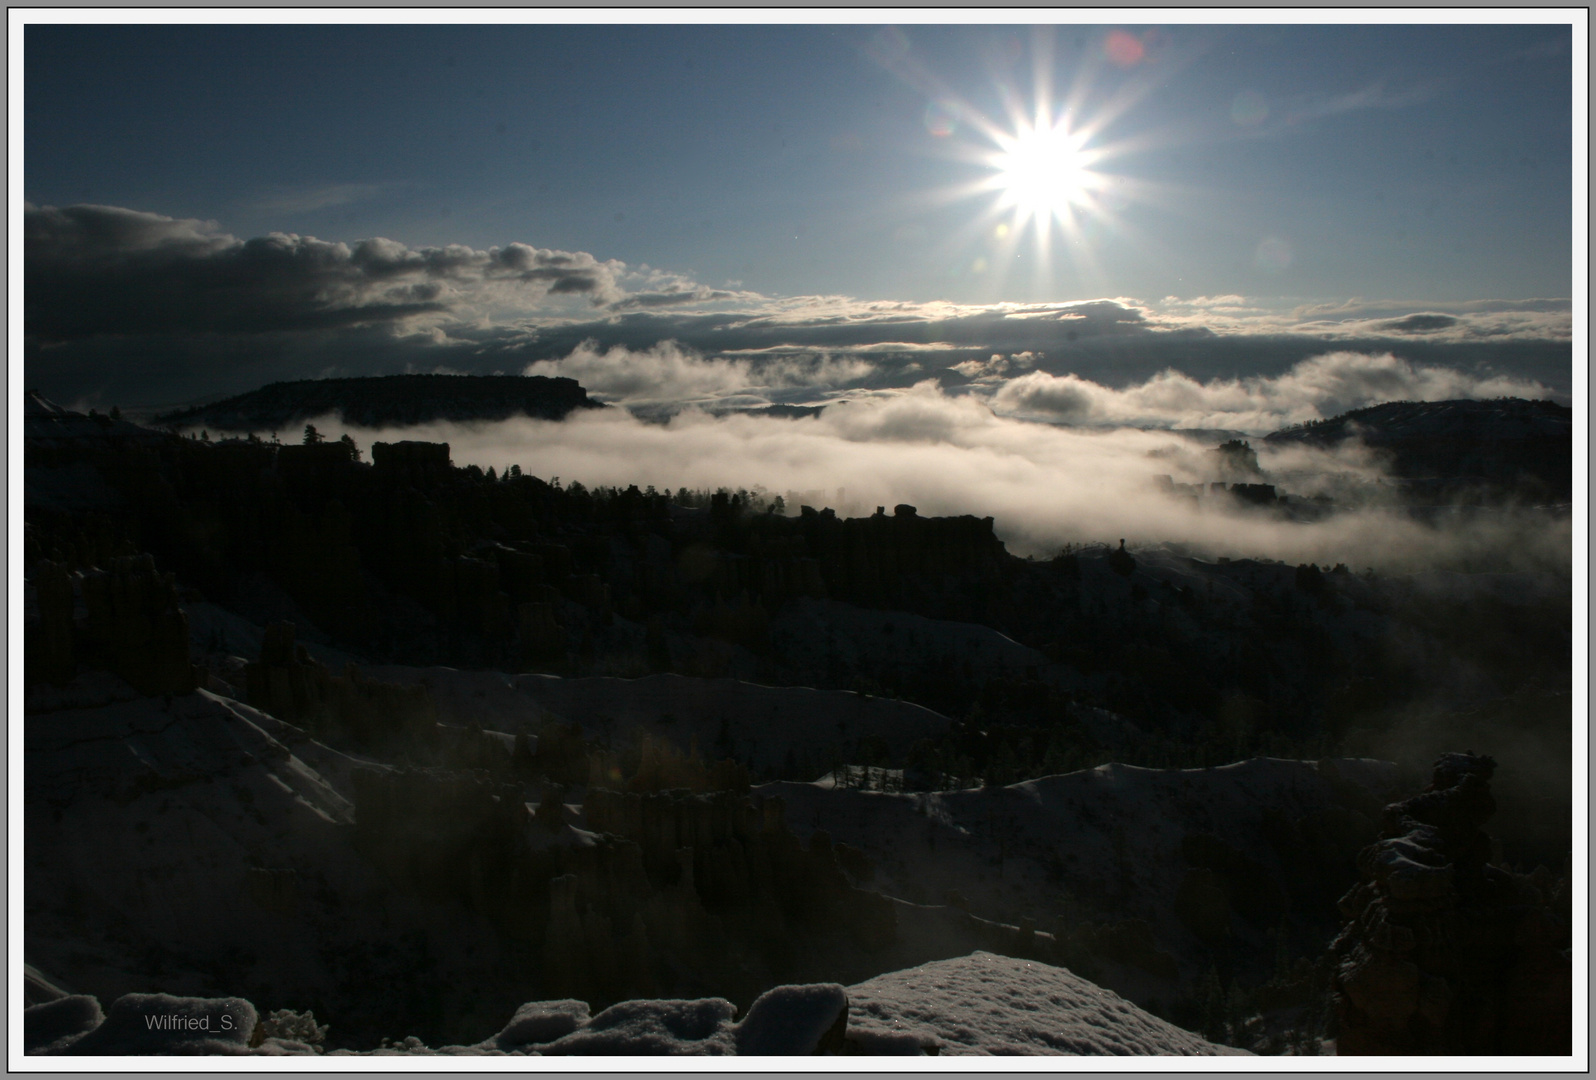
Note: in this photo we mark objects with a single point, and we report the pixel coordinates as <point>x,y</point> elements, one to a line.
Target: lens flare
<point>1124,49</point>
<point>941,119</point>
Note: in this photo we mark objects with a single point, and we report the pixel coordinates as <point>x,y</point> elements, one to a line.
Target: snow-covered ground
<point>762,726</point>
<point>1099,844</point>
<point>819,635</point>
<point>168,830</point>
<point>981,1004</point>
<point>169,840</point>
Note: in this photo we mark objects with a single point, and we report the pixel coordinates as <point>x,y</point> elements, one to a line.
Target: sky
<point>736,215</point>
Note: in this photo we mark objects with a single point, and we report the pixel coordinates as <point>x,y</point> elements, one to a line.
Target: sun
<point>1057,198</point>
<point>1043,172</point>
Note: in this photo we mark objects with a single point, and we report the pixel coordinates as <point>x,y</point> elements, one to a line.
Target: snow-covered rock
<point>795,1020</point>
<point>48,1027</point>
<point>654,1027</point>
<point>989,1004</point>
<point>541,1022</point>
<point>165,1024</point>
<point>977,1004</point>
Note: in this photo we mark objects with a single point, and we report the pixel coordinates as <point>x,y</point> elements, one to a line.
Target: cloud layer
<point>1044,485</point>
<point>123,306</point>
<point>669,374</point>
<point>1314,389</point>
<point>94,270</point>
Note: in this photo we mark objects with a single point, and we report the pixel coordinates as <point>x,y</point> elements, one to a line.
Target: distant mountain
<point>391,399</point>
<point>1509,446</point>
<point>786,412</point>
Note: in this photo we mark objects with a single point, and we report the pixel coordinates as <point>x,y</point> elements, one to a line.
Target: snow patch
<point>989,1004</point>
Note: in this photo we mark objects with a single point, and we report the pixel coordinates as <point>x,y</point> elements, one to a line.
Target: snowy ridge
<point>1110,842</point>
<point>989,1004</point>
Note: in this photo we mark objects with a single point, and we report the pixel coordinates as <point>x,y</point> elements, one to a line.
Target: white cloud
<point>995,365</point>
<point>815,370</point>
<point>1314,389</point>
<point>1451,323</point>
<point>1045,485</point>
<point>664,373</point>
<point>672,375</point>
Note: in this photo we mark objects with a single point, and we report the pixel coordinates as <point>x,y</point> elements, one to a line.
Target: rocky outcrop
<point>1121,561</point>
<point>663,892</point>
<point>50,656</point>
<point>145,1024</point>
<point>307,461</point>
<point>417,463</point>
<point>867,559</point>
<point>1443,952</point>
<point>1258,494</point>
<point>288,683</point>
<point>135,628</point>
<point>130,624</point>
<point>785,1020</point>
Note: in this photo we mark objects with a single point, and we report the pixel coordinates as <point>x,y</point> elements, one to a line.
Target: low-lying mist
<point>1045,485</point>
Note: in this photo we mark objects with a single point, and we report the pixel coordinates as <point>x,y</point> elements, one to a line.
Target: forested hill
<point>391,399</point>
<point>1509,442</point>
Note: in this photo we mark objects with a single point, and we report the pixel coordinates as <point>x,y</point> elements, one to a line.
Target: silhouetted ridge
<point>392,399</point>
<point>1523,446</point>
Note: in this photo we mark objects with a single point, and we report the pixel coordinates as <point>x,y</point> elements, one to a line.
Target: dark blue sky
<point>1420,163</point>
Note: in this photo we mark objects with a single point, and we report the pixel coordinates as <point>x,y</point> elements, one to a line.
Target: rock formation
<point>131,625</point>
<point>868,559</point>
<point>1443,952</point>
<point>288,683</point>
<point>785,1020</point>
<point>414,462</point>
<point>669,891</point>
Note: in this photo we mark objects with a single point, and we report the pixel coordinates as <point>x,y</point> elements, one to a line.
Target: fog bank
<point>1045,485</point>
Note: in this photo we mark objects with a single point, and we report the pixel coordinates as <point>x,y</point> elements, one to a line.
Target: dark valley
<point>342,730</point>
